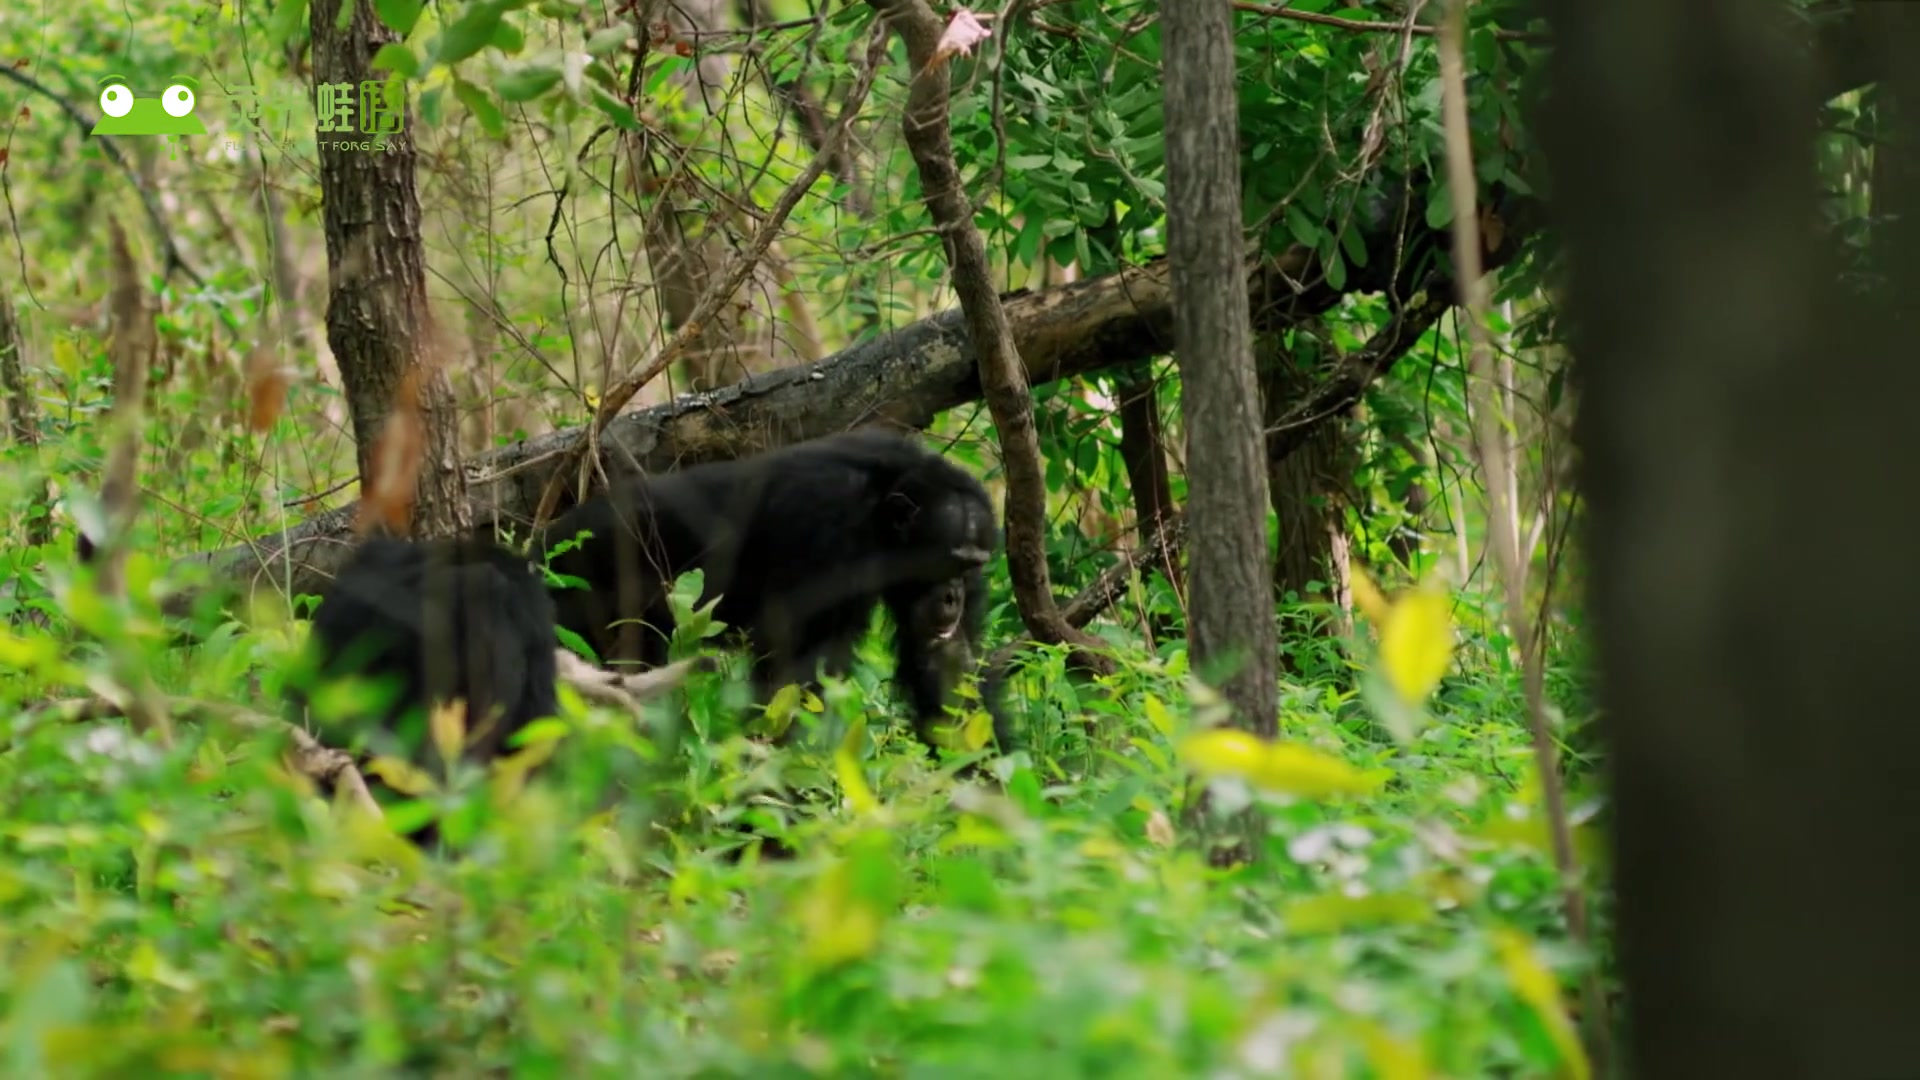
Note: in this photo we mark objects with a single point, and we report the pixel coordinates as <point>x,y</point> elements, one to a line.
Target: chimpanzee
<point>438,620</point>
<point>800,544</point>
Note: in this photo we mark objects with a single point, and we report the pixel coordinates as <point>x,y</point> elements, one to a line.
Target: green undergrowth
<point>200,911</point>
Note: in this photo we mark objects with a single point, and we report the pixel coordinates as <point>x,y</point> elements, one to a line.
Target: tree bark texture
<point>1229,583</point>
<point>377,319</point>
<point>1003,377</point>
<point>1744,423</point>
<point>1310,487</point>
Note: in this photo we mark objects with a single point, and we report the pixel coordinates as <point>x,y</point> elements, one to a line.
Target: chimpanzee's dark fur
<point>440,619</point>
<point>800,543</point>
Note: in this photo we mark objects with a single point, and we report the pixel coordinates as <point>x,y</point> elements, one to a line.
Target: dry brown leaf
<point>267,382</point>
<point>395,464</point>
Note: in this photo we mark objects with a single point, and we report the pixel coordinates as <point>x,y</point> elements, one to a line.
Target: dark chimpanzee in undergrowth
<point>435,621</point>
<point>800,544</point>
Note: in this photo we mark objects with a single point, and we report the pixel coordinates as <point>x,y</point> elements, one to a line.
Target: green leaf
<point>287,18</point>
<point>616,110</point>
<point>1439,205</point>
<point>468,35</point>
<point>1336,272</point>
<point>482,107</point>
<point>609,41</point>
<point>1305,231</point>
<point>526,82</point>
<point>508,38</point>
<point>1025,162</point>
<point>430,105</point>
<point>397,58</point>
<point>1354,245</point>
<point>400,15</point>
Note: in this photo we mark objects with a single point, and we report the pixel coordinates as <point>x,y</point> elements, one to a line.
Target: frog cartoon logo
<point>171,115</point>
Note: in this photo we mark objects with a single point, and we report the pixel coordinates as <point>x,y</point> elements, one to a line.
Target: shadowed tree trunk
<point>1745,422</point>
<point>1309,486</point>
<point>377,321</point>
<point>1230,586</point>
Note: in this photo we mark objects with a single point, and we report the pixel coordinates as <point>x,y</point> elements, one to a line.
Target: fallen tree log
<point>905,377</point>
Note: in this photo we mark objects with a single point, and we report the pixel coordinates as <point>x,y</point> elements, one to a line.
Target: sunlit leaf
<point>401,776</point>
<point>1536,986</point>
<point>447,723</point>
<point>1284,768</point>
<point>1416,642</point>
<point>1368,598</point>
<point>145,964</point>
<point>836,926</point>
<point>1332,912</point>
<point>1392,1057</point>
<point>853,779</point>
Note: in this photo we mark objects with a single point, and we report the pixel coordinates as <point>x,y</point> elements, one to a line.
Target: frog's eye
<point>116,101</point>
<point>178,100</point>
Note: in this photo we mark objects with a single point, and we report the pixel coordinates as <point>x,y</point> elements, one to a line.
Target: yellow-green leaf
<point>1332,912</point>
<point>1278,767</point>
<point>401,776</point>
<point>448,725</point>
<point>1369,599</point>
<point>1416,644</point>
<point>836,925</point>
<point>1536,986</point>
<point>853,781</point>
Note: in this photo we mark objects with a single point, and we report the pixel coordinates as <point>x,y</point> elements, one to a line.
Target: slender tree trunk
<point>1003,377</point>
<point>1744,423</point>
<point>23,411</point>
<point>1309,489</point>
<point>377,319</point>
<point>1230,585</point>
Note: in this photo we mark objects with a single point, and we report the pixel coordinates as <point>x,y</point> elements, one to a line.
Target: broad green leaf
<point>609,41</point>
<point>1439,205</point>
<point>400,15</point>
<point>526,82</point>
<point>1304,230</point>
<point>468,34</point>
<point>397,58</point>
<point>483,108</point>
<point>288,17</point>
<point>508,38</point>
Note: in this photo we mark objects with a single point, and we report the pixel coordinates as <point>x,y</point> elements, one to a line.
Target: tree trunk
<point>377,320</point>
<point>1744,422</point>
<point>23,414</point>
<point>1230,586</point>
<point>1003,376</point>
<point>1310,488</point>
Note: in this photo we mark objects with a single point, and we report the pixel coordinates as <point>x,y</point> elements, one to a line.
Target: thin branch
<point>719,292</point>
<point>1003,378</point>
<point>1501,520</point>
